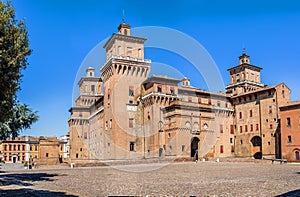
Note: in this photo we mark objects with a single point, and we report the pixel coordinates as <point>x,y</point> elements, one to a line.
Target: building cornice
<point>246,66</point>
<point>118,36</point>
<point>118,59</point>
<point>245,82</point>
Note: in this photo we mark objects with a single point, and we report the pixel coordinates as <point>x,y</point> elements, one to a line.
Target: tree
<point>21,119</point>
<point>14,49</point>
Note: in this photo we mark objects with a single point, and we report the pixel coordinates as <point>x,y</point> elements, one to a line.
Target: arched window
<point>188,125</point>
<point>256,141</point>
<point>297,155</point>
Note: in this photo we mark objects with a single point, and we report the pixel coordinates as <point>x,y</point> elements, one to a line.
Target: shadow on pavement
<point>15,184</point>
<point>24,179</point>
<point>24,192</point>
<point>293,193</point>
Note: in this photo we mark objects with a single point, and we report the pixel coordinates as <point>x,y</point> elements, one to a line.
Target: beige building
<point>127,114</point>
<point>40,150</point>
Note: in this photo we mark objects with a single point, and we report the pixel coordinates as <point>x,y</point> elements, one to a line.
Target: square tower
<point>244,77</point>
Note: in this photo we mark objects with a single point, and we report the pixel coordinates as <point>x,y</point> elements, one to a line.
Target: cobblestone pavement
<point>176,179</point>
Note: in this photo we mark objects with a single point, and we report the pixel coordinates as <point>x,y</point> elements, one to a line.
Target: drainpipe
<point>260,128</point>
<point>143,120</point>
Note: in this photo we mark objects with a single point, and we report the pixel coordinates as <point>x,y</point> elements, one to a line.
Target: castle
<point>125,114</point>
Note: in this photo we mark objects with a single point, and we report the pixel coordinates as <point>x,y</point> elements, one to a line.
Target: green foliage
<point>14,49</point>
<point>21,119</point>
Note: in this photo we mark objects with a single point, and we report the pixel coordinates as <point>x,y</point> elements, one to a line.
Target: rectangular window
<point>190,99</point>
<point>231,129</point>
<point>289,139</point>
<point>251,127</point>
<point>271,126</point>
<point>288,122</point>
<point>199,101</point>
<point>218,104</point>
<point>182,148</point>
<point>159,89</point>
<point>255,96</point>
<point>231,141</point>
<point>131,91</point>
<point>232,149</point>
<point>209,101</point>
<point>221,128</point>
<point>256,127</point>
<point>250,98</point>
<point>130,122</point>
<point>172,90</point>
<point>131,146</point>
<point>108,94</point>
<point>240,100</point>
<point>241,115</point>
<point>85,135</point>
<point>221,149</point>
<point>269,92</point>
<point>251,113</point>
<point>246,128</point>
<point>93,88</point>
<point>241,129</point>
<point>47,154</point>
<point>270,109</point>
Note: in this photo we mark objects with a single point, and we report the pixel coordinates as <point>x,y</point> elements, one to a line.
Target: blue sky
<point>62,32</point>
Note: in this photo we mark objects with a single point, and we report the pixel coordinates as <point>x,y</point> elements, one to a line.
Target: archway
<point>194,145</point>
<point>257,155</point>
<point>256,141</point>
<point>14,158</point>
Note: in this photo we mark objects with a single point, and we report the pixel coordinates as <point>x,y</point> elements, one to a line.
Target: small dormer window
<point>91,74</point>
<point>125,32</point>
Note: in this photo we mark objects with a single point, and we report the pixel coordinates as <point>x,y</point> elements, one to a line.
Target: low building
<point>64,147</point>
<point>290,131</point>
<point>1,152</point>
<point>40,150</point>
<point>48,151</point>
<point>14,150</point>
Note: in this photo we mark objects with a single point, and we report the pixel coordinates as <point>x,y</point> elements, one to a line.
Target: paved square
<point>175,179</point>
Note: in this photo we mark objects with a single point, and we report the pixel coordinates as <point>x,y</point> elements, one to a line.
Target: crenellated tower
<point>123,73</point>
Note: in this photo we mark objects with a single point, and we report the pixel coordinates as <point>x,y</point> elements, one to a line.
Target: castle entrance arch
<point>194,146</point>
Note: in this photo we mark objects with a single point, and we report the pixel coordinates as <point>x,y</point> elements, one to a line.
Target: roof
<point>290,105</point>
<point>162,79</point>
<point>260,90</point>
<point>200,91</point>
